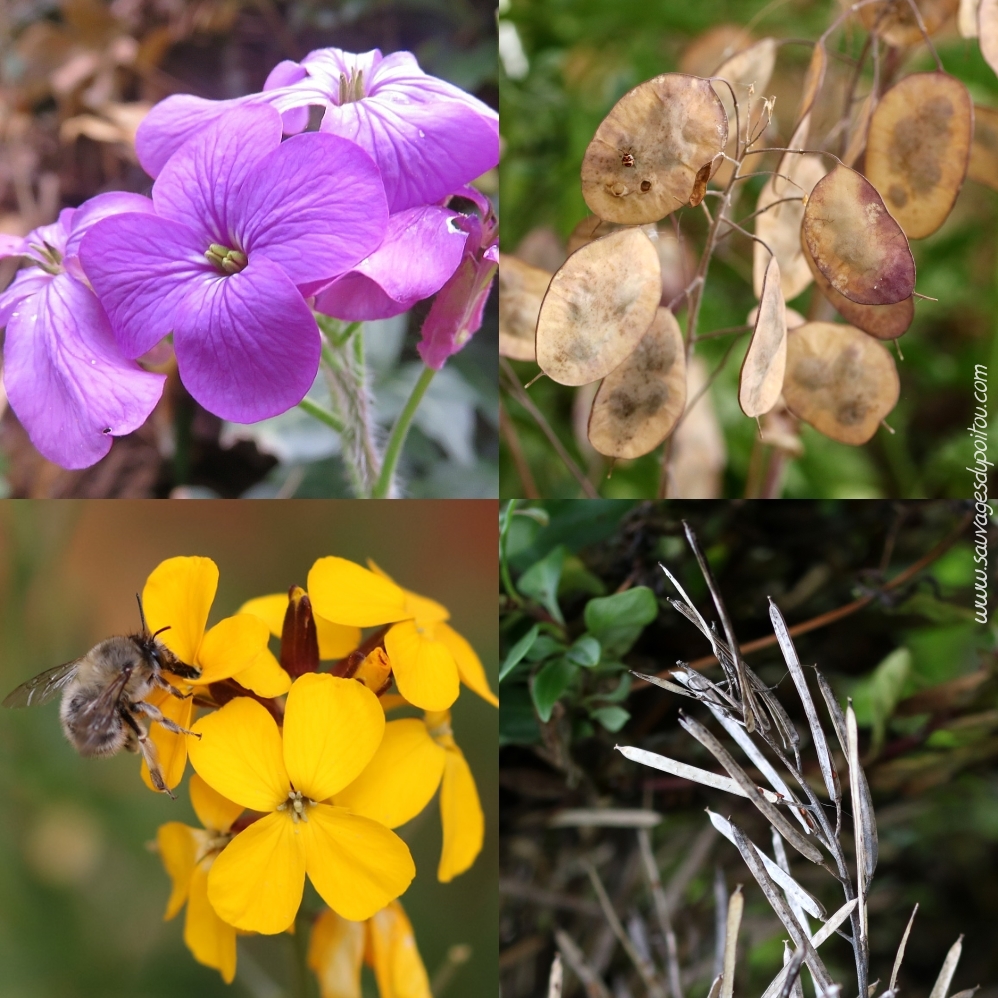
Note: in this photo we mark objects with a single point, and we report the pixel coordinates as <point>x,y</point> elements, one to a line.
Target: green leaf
<point>938,611</point>
<point>517,652</point>
<point>612,718</point>
<point>576,578</point>
<point>575,523</point>
<point>584,652</point>
<point>544,647</point>
<point>618,620</point>
<point>618,694</point>
<point>540,582</point>
<point>876,696</point>
<point>549,684</point>
<point>517,720</point>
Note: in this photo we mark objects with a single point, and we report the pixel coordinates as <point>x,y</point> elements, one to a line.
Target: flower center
<point>48,258</point>
<point>296,804</point>
<point>352,88</point>
<point>228,261</point>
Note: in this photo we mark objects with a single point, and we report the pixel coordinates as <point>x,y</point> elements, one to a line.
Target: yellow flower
<point>414,758</point>
<point>429,658</point>
<point>178,595</point>
<point>332,728</point>
<point>385,942</point>
<point>188,854</point>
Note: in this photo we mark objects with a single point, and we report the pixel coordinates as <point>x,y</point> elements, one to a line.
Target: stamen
<point>229,261</point>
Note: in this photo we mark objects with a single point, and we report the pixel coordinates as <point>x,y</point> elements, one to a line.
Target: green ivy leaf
<point>617,621</point>
<point>517,652</point>
<point>876,696</point>
<point>585,652</point>
<point>612,718</point>
<point>549,684</point>
<point>540,581</point>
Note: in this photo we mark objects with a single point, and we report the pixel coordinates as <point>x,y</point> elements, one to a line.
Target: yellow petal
<point>257,880</point>
<point>210,940</point>
<point>345,593</point>
<point>178,849</point>
<point>332,728</point>
<point>265,677</point>
<point>422,608</point>
<point>270,609</point>
<point>335,640</point>
<point>425,671</point>
<point>214,811</point>
<point>335,952</point>
<point>374,671</point>
<point>461,816</point>
<point>178,595</point>
<point>171,748</point>
<point>239,755</point>
<point>231,646</point>
<point>392,701</point>
<point>402,777</point>
<point>469,665</point>
<point>398,966</point>
<point>355,864</point>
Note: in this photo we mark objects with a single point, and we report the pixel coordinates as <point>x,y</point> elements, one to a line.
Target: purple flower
<point>66,379</point>
<point>241,219</point>
<point>427,136</point>
<point>456,313</point>
<point>422,248</point>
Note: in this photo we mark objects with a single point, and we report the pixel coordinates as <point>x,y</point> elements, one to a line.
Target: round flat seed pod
<point>839,380</point>
<point>640,402</point>
<point>894,21</point>
<point>589,229</point>
<point>598,306</point>
<point>521,290</point>
<point>644,158</point>
<point>918,147</point>
<point>886,322</point>
<point>854,241</point>
<point>794,318</point>
<point>707,51</point>
<point>984,152</point>
<point>987,31</point>
<point>761,379</point>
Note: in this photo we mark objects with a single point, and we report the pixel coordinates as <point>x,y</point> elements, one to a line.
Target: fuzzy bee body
<point>103,696</point>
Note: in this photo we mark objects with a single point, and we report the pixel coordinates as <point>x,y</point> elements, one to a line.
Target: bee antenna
<point>142,616</point>
<point>160,631</point>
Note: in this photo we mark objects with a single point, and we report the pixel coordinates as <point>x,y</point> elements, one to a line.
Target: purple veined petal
<point>28,281</point>
<point>91,212</point>
<point>284,74</point>
<point>200,185</point>
<point>66,379</point>
<point>247,345</point>
<point>425,151</point>
<point>141,266</point>
<point>11,245</point>
<point>476,197</point>
<point>315,206</point>
<point>422,248</point>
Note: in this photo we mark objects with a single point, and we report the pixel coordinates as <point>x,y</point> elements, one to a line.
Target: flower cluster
<point>253,217</point>
<point>298,773</point>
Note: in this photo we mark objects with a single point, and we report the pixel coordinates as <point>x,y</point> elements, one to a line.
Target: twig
<point>662,911</point>
<point>595,988</point>
<point>547,899</point>
<point>508,429</point>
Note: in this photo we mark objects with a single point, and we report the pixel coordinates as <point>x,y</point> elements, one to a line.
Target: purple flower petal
<point>11,245</point>
<point>140,266</point>
<point>422,248</point>
<point>91,212</point>
<point>247,345</point>
<point>200,186</point>
<point>65,378</point>
<point>28,281</point>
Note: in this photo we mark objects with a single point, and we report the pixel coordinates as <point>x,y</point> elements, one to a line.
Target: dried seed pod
<point>644,158</point>
<point>966,18</point>
<point>894,21</point>
<point>521,290</point>
<point>886,322</point>
<point>983,165</point>
<point>707,51</point>
<point>752,67</point>
<point>589,229</point>
<point>794,318</point>
<point>761,379</point>
<point>918,148</point>
<point>639,403</point>
<point>598,307</point>
<point>779,226</point>
<point>987,31</point>
<point>854,241</point>
<point>860,127</point>
<point>813,79</point>
<point>839,380</point>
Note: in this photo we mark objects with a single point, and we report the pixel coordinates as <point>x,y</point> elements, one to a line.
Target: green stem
<point>399,432</point>
<point>507,581</point>
<point>323,415</point>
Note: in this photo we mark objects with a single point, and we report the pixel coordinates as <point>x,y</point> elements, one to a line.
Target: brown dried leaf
<point>700,185</point>
<point>643,160</point>
<point>886,322</point>
<point>941,988</point>
<point>839,380</point>
<point>761,379</point>
<point>854,241</point>
<point>736,904</point>
<point>983,166</point>
<point>918,148</point>
<point>639,403</point>
<point>597,308</point>
<point>894,21</point>
<point>521,290</point>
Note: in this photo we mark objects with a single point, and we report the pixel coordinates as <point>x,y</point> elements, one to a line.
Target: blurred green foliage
<point>81,894</point>
<point>583,55</point>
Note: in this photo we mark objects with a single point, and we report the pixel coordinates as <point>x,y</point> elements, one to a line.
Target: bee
<point>102,695</point>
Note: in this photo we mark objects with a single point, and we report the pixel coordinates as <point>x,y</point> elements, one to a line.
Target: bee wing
<point>42,687</point>
<point>95,717</point>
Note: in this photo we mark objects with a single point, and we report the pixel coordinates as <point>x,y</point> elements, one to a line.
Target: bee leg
<point>148,751</point>
<point>184,670</point>
<point>163,684</point>
<point>155,714</point>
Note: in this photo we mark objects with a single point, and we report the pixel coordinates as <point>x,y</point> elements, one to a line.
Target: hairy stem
<point>384,487</point>
<point>323,415</point>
